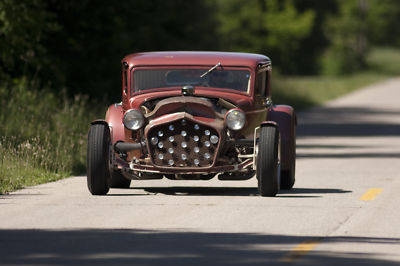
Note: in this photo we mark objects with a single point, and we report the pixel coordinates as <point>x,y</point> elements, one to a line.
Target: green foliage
<point>43,135</point>
<point>383,22</point>
<point>79,45</point>
<point>356,26</point>
<point>22,165</point>
<point>303,92</point>
<point>347,34</point>
<point>265,27</point>
<point>384,60</point>
<point>24,27</point>
<point>95,35</point>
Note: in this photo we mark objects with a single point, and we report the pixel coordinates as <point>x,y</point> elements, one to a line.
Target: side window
<point>261,83</point>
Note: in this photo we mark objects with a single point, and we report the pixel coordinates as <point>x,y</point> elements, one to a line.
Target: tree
<point>383,22</point>
<point>346,30</point>
<point>79,45</point>
<point>96,35</point>
<point>24,26</point>
<point>316,42</point>
<point>272,27</point>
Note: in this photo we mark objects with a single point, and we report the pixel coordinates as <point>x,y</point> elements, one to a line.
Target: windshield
<point>235,79</point>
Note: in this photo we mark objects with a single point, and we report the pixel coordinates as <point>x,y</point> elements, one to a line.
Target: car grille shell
<point>183,143</point>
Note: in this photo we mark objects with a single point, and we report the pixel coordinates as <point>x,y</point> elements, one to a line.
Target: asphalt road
<point>343,210</point>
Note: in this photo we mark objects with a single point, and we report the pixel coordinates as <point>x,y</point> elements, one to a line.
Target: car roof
<point>195,58</point>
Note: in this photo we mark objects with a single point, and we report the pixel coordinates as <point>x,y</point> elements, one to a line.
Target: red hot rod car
<point>194,115</point>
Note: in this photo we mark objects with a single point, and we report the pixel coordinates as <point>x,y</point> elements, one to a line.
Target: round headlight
<point>235,119</point>
<point>133,119</point>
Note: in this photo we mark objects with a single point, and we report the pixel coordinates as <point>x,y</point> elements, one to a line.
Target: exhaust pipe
<point>124,147</point>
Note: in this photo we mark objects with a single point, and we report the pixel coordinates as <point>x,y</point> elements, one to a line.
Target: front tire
<point>267,161</point>
<point>288,175</point>
<point>98,150</point>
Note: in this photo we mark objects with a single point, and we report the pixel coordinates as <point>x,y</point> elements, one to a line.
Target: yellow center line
<point>300,250</point>
<point>371,194</point>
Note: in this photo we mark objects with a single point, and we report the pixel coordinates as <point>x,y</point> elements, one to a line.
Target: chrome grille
<point>183,143</point>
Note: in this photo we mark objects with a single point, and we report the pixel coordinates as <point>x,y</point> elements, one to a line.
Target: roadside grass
<point>18,169</point>
<point>43,134</point>
<point>306,91</point>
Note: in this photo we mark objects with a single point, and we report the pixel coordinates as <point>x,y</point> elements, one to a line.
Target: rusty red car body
<point>194,115</point>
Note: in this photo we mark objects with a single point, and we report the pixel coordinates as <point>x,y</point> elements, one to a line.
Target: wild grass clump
<point>43,135</point>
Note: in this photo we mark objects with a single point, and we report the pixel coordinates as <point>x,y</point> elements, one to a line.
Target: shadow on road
<point>350,123</point>
<point>347,121</point>
<point>139,247</point>
<point>202,191</point>
<point>348,151</point>
<point>350,155</point>
<point>314,191</point>
<point>231,191</point>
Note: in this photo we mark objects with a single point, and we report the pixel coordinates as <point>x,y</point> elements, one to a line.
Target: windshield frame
<point>200,68</point>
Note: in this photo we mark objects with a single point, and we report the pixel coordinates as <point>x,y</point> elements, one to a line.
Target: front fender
<point>286,119</point>
<point>114,117</point>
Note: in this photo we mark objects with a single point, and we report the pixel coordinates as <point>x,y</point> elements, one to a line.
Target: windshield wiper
<point>210,70</point>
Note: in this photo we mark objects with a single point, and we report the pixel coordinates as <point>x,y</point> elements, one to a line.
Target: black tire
<point>267,161</point>
<point>98,173</point>
<point>119,181</point>
<point>288,174</point>
<point>287,179</point>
